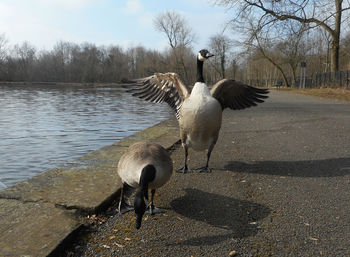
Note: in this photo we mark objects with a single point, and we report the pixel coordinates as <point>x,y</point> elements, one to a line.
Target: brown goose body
<point>141,154</point>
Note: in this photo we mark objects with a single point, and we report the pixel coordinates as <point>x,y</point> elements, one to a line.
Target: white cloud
<point>143,17</point>
<point>133,7</point>
<point>67,4</point>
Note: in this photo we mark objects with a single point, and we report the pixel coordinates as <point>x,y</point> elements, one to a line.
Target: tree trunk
<point>222,67</point>
<point>293,68</point>
<point>335,56</point>
<point>336,37</point>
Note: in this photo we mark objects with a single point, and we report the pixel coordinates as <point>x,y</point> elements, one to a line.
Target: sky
<point>127,23</point>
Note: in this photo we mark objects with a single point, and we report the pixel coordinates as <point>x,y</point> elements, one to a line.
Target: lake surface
<point>42,127</point>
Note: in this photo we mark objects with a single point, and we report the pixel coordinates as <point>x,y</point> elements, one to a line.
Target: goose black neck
<point>147,175</point>
<point>200,77</point>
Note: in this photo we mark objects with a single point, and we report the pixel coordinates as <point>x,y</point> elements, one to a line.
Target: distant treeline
<point>268,63</point>
<point>86,63</point>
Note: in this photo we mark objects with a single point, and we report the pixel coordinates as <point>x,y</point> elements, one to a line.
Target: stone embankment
<point>38,214</point>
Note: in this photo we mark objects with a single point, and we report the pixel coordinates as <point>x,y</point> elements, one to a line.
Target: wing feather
<point>158,88</point>
<point>236,95</point>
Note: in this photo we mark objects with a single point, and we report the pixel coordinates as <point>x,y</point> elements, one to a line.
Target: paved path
<point>280,186</point>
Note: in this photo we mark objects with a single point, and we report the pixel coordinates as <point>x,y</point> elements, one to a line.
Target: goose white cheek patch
<point>200,57</point>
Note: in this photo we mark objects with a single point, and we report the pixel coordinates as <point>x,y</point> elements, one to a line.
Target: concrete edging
<point>38,214</point>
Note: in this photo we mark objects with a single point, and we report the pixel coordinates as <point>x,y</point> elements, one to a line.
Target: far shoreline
<point>41,83</point>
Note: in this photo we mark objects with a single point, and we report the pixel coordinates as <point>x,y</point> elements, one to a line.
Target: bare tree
<point>3,43</point>
<point>24,56</point>
<point>264,53</point>
<point>260,42</point>
<point>180,38</point>
<point>3,53</point>
<point>233,66</point>
<point>115,64</point>
<point>293,49</point>
<point>176,29</point>
<point>220,45</point>
<point>326,14</point>
<point>346,51</point>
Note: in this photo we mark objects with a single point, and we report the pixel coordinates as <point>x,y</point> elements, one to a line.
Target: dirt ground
<point>334,93</point>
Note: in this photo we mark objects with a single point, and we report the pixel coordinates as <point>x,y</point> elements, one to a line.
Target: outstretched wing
<point>158,88</point>
<point>236,95</point>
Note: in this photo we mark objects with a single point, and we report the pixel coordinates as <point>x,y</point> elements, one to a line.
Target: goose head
<point>203,55</point>
<point>140,206</point>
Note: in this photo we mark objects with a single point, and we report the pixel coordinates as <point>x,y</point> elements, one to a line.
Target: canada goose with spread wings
<point>199,111</point>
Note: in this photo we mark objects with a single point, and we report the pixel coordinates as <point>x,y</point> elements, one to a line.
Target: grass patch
<point>333,93</point>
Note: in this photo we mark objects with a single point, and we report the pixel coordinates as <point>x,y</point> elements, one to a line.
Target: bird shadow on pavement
<point>237,217</point>
<point>307,168</point>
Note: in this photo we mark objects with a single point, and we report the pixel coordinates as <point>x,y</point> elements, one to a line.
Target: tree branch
<point>283,17</point>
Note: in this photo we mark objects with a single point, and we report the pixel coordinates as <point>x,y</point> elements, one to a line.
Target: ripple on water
<point>48,126</point>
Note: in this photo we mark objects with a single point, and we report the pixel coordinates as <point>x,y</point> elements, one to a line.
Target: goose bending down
<point>199,111</point>
<point>143,166</point>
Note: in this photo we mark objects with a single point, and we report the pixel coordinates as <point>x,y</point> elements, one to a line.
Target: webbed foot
<point>184,170</point>
<point>154,210</point>
<point>204,169</point>
<point>124,208</point>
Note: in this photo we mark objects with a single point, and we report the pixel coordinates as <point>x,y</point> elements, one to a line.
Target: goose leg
<point>151,208</point>
<point>153,191</point>
<point>206,167</point>
<point>123,206</point>
<point>184,169</point>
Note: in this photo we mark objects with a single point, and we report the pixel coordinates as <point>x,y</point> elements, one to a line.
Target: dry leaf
<point>180,219</point>
<point>119,245</point>
<point>232,253</point>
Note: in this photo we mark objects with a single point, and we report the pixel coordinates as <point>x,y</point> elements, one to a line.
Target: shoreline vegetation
<point>341,94</point>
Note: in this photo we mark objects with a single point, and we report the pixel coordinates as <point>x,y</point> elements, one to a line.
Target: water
<point>45,126</point>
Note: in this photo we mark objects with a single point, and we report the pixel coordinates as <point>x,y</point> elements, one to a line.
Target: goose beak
<point>210,55</point>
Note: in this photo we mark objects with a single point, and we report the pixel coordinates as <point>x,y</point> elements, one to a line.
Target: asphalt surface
<point>280,186</point>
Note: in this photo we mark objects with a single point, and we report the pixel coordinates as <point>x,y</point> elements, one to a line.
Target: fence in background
<point>339,79</point>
